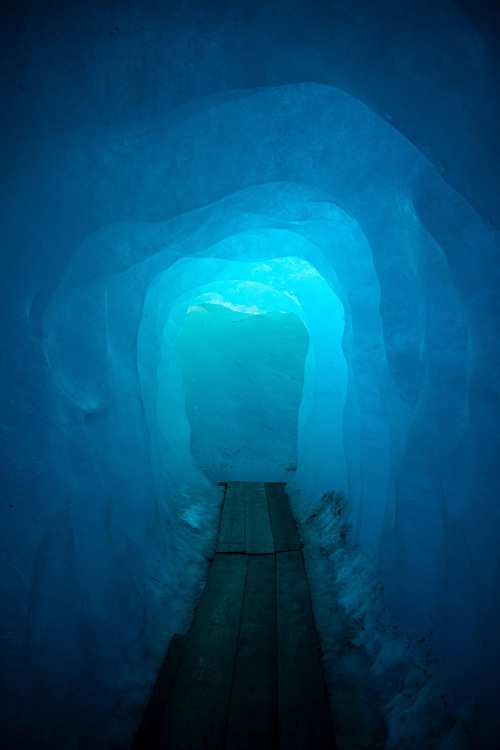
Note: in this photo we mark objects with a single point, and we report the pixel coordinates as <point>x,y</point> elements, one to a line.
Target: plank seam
<point>277,672</point>
<point>235,655</point>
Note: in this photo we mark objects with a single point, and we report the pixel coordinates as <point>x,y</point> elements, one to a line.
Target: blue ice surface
<point>305,213</point>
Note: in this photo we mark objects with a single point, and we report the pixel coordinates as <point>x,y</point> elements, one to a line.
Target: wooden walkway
<point>248,676</point>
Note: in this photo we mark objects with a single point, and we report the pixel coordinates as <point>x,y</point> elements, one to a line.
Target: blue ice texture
<point>317,306</point>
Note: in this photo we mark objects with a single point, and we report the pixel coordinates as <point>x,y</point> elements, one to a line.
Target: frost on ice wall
<point>293,202</point>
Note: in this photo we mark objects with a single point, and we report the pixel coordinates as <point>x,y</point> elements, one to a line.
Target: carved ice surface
<point>365,287</point>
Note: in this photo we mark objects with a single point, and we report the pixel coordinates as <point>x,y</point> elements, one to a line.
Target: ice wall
<point>143,159</point>
<point>243,375</point>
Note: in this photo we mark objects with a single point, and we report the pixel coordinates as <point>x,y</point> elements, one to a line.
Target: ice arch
<point>397,246</point>
<point>329,238</point>
<point>299,288</point>
<point>376,267</point>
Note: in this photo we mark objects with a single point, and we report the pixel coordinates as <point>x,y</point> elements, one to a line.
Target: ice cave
<point>250,241</point>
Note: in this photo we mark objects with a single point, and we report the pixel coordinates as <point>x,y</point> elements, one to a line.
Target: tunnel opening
<point>292,243</point>
<point>290,251</point>
<point>277,288</point>
<point>243,376</point>
<point>152,135</point>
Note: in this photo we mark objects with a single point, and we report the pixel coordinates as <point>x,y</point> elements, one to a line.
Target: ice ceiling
<point>365,277</point>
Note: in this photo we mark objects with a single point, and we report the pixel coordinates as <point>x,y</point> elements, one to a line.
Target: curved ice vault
<point>359,236</point>
<point>131,347</point>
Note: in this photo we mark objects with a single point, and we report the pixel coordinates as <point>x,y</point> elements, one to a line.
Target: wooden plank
<point>232,528</point>
<point>304,717</point>
<point>258,534</point>
<point>253,713</point>
<point>226,521</point>
<point>286,537</point>
<point>196,713</point>
<point>151,720</point>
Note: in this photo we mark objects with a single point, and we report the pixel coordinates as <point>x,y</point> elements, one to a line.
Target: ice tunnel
<point>252,241</point>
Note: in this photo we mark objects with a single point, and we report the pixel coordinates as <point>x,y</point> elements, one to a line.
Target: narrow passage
<point>248,675</point>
